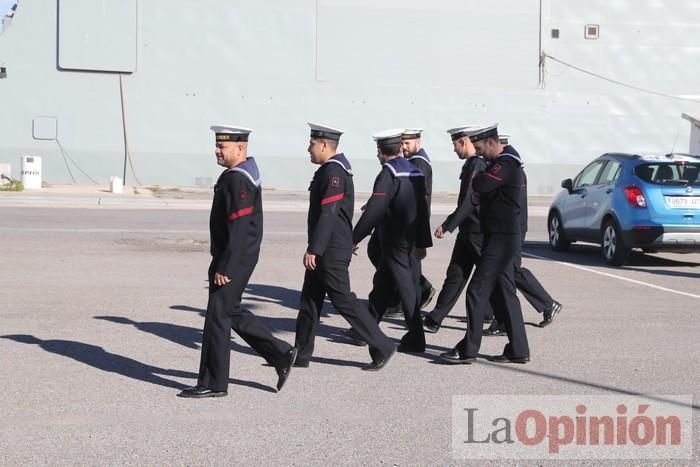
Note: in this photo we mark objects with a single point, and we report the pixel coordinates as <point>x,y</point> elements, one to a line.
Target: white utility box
<point>31,172</point>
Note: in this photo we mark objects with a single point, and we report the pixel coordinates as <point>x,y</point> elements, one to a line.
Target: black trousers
<point>374,252</point>
<point>374,249</point>
<point>331,277</point>
<point>493,281</point>
<point>398,271</point>
<point>529,286</point>
<point>424,285</point>
<point>466,254</point>
<point>224,312</point>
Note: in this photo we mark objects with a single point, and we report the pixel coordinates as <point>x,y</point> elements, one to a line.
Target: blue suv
<point>625,201</point>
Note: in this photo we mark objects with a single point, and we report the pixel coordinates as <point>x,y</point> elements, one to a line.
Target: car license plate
<point>683,202</point>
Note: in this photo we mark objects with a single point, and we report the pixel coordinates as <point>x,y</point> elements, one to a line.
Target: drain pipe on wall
<point>127,151</point>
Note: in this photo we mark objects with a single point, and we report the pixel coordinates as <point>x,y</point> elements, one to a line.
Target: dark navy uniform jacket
<point>523,202</point>
<point>236,220</point>
<point>466,216</point>
<point>499,193</point>
<point>398,207</point>
<point>422,163</point>
<point>331,204</point>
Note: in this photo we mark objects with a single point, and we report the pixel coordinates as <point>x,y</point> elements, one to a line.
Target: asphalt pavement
<point>102,301</point>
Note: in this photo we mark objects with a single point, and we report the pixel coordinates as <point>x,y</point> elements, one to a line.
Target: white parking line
<point>576,266</point>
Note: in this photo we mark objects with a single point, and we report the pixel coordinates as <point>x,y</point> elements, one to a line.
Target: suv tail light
<point>635,197</point>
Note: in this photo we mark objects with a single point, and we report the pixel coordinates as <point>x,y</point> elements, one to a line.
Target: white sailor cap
<point>386,137</point>
<point>503,138</point>
<point>484,132</point>
<point>234,134</point>
<point>461,131</point>
<point>324,132</point>
<point>411,133</point>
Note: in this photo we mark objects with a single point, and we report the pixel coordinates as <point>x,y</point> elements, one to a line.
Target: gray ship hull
<point>361,66</point>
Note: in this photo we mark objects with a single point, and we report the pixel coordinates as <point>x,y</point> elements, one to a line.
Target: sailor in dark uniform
<point>398,206</point>
<point>498,189</point>
<point>525,281</point>
<point>374,250</point>
<point>467,248</point>
<point>236,226</point>
<point>329,250</point>
<point>411,145</point>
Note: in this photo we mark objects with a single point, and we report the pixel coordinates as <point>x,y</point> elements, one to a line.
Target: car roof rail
<point>622,155</point>
<point>671,154</point>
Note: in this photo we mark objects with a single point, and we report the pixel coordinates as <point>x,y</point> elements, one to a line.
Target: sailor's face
<point>487,148</point>
<point>315,150</point>
<point>382,158</point>
<point>410,147</point>
<point>479,146</point>
<point>227,153</point>
<point>464,148</point>
<point>482,148</point>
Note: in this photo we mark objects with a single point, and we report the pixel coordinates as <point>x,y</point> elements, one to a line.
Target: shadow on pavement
<point>272,322</point>
<point>182,335</point>
<point>589,255</point>
<point>666,272</point>
<point>192,338</point>
<point>337,362</point>
<point>202,311</point>
<point>99,358</point>
<point>519,369</point>
<point>264,293</point>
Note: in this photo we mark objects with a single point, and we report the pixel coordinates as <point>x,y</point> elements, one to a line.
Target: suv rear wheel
<point>615,252</point>
<point>557,238</point>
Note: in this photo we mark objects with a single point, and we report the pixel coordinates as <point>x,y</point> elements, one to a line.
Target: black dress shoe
<point>301,364</point>
<point>494,331</point>
<point>429,325</point>
<point>410,348</point>
<point>509,359</point>
<point>453,356</point>
<point>394,311</point>
<point>199,392</point>
<point>285,367</point>
<point>550,313</point>
<point>379,364</point>
<point>353,337</point>
<point>427,297</point>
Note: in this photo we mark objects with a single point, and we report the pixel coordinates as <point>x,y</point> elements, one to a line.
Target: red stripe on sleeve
<point>378,194</point>
<point>332,199</point>
<point>493,176</point>
<point>240,213</point>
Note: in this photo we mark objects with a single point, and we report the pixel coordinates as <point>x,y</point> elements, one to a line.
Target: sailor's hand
<point>439,232</point>
<point>420,253</point>
<point>310,261</point>
<point>354,249</point>
<point>220,279</point>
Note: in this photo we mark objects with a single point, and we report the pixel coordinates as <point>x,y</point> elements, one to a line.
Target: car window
<point>669,173</point>
<point>611,172</point>
<point>588,175</point>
